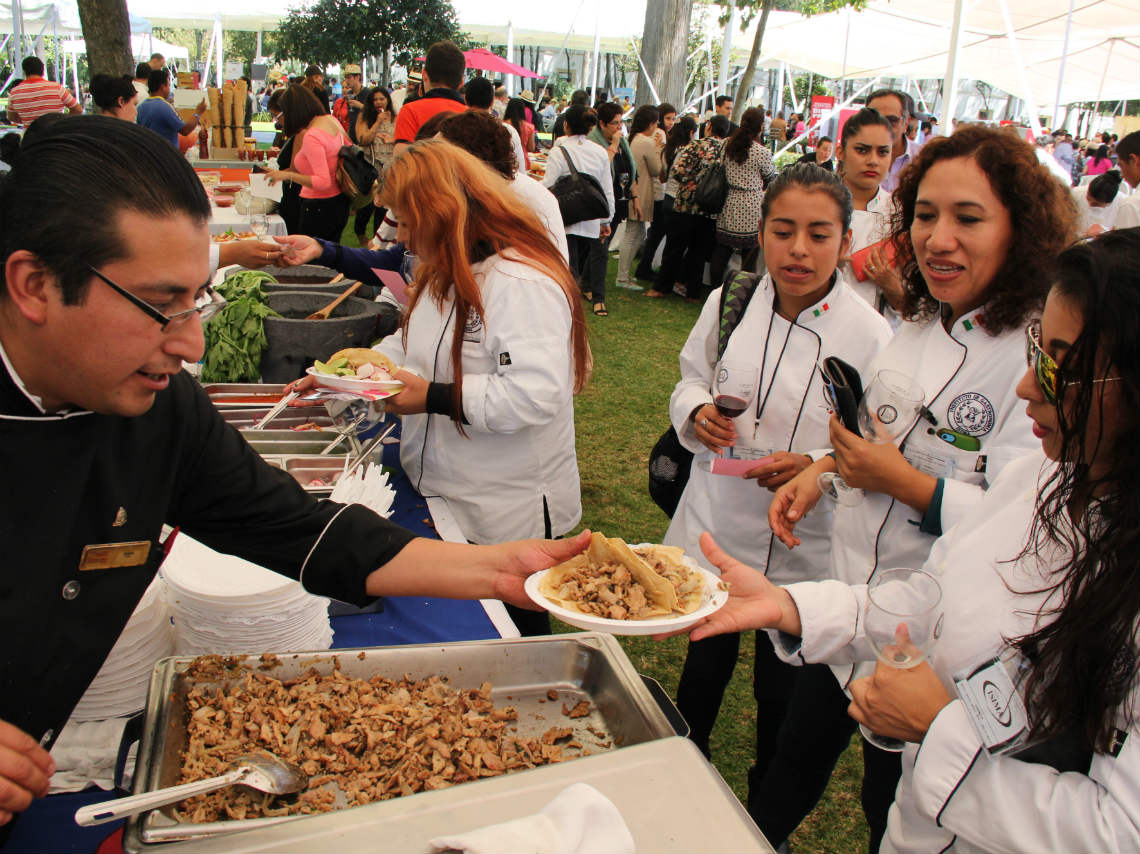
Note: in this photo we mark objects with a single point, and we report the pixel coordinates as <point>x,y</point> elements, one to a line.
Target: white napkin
<point>580,819</point>
<point>85,753</point>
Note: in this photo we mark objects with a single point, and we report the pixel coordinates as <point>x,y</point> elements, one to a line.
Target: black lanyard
<point>762,402</point>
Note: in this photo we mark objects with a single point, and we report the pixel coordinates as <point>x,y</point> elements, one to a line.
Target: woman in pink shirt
<point>1098,163</point>
<point>318,138</point>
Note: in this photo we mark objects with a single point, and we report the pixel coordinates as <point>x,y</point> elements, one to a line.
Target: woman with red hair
<point>494,349</point>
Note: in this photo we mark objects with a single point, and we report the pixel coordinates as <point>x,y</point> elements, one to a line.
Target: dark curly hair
<point>1041,214</point>
<point>1084,662</point>
<point>484,136</point>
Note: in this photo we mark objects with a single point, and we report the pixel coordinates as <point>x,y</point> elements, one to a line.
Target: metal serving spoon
<point>261,772</point>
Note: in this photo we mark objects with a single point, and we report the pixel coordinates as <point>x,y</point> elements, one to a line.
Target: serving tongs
<point>277,409</point>
<point>373,443</point>
<point>344,433</point>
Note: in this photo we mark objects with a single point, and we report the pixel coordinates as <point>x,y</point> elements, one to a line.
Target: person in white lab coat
<point>864,157</point>
<point>1128,161</point>
<point>494,348</point>
<point>980,224</point>
<point>798,315</point>
<point>1038,576</point>
<point>1098,203</point>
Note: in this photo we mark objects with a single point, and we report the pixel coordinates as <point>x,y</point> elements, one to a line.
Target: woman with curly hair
<point>376,134</point>
<point>1039,593</point>
<point>977,227</point>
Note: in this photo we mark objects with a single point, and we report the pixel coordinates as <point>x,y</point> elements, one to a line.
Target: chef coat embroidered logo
<point>887,413</point>
<point>473,328</point>
<point>722,375</point>
<point>120,518</point>
<point>971,413</point>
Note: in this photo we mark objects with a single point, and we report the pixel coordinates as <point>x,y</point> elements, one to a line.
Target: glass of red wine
<point>734,388</point>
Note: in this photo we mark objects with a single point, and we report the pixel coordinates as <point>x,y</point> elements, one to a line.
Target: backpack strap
<point>734,298</point>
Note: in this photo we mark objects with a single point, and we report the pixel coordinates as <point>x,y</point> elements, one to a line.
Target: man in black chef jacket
<point>103,439</point>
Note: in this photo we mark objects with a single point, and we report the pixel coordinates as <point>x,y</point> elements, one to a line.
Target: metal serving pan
<point>237,395</point>
<point>244,419</point>
<point>671,798</point>
<point>590,666</point>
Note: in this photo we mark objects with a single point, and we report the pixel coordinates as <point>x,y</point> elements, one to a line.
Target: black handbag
<point>712,188</point>
<point>580,196</point>
<point>670,462</point>
<point>354,174</point>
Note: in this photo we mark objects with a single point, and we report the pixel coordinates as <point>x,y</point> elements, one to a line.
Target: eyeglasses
<point>206,306</point>
<point>1045,368</point>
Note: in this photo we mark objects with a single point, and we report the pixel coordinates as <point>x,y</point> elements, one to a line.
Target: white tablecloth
<point>223,219</point>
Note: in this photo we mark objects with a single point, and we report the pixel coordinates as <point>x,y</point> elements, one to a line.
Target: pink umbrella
<point>482,59</point>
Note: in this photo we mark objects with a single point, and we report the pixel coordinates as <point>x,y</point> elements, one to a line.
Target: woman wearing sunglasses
<point>978,224</point>
<point>1038,593</point>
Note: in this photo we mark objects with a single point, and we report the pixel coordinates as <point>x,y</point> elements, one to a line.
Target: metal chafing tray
<point>671,798</point>
<point>590,666</point>
<point>236,395</point>
<point>244,419</point>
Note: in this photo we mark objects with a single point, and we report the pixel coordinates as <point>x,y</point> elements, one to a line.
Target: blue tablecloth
<point>49,825</point>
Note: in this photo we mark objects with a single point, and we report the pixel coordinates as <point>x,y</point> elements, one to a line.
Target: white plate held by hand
<point>713,599</point>
<point>354,384</point>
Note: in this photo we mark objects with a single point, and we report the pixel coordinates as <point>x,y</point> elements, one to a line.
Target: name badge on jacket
<point>114,555</point>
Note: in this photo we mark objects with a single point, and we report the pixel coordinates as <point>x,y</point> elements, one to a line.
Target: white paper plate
<point>352,384</point>
<point>712,600</point>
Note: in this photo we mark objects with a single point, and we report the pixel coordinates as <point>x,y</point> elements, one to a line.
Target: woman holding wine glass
<point>760,401</point>
<point>978,225</point>
<point>1038,600</point>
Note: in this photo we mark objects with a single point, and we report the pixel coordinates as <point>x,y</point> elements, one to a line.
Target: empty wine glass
<point>408,267</point>
<point>902,621</point>
<point>259,224</point>
<point>734,388</point>
<point>888,409</point>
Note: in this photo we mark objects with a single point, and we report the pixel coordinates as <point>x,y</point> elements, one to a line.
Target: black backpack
<point>712,188</point>
<point>580,197</point>
<point>670,461</point>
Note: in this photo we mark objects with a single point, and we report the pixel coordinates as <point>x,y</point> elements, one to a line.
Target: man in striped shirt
<point>36,96</point>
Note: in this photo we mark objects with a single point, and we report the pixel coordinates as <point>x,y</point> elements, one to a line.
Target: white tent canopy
<point>39,16</point>
<point>910,38</point>
<point>142,45</point>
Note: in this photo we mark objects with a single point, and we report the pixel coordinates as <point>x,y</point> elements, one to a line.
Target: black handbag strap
<point>569,160</point>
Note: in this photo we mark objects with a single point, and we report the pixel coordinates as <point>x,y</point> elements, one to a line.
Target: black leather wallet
<point>843,389</point>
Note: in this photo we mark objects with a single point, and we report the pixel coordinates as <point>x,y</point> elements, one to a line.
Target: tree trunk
<point>753,58</point>
<point>663,50</point>
<point>385,71</point>
<point>107,31</point>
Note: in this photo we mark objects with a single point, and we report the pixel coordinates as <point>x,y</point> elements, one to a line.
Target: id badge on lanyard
<point>989,692</point>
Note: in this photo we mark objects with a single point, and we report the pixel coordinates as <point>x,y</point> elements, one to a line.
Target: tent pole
<point>846,42</point>
<point>1061,71</point>
<point>1027,92</point>
<point>218,35</point>
<point>509,79</point>
<point>950,92</point>
<point>597,48</point>
<point>18,34</point>
<point>258,46</point>
<point>1104,74</point>
<point>75,73</point>
<point>726,48</point>
<point>645,71</point>
<point>780,90</point>
<point>55,41</point>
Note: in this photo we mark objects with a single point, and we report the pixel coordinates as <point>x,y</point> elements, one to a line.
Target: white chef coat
<point>794,419</point>
<point>868,227</point>
<point>1087,215</point>
<point>590,159</point>
<point>968,379</point>
<point>545,206</point>
<point>518,379</point>
<point>952,795</point>
<point>1128,214</point>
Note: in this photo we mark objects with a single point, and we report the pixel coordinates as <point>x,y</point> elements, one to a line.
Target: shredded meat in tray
<point>372,739</point>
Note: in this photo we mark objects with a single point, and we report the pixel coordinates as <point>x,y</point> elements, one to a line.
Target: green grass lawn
<point>618,418</point>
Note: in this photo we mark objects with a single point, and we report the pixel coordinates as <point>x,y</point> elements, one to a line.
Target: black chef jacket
<point>82,478</point>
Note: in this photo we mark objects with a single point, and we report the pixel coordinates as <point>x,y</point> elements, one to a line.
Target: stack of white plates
<point>121,684</point>
<point>223,604</point>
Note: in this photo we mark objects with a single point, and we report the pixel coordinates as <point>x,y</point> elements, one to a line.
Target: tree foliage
<point>335,30</point>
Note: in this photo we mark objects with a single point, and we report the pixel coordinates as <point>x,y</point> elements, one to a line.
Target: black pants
<point>688,243</point>
<point>595,280</point>
<point>363,215</point>
<point>579,249</point>
<point>533,623</point>
<point>324,218</point>
<point>718,262</point>
<point>653,239</point>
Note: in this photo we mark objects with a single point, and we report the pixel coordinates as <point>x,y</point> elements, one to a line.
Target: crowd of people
<point>962,264</point>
